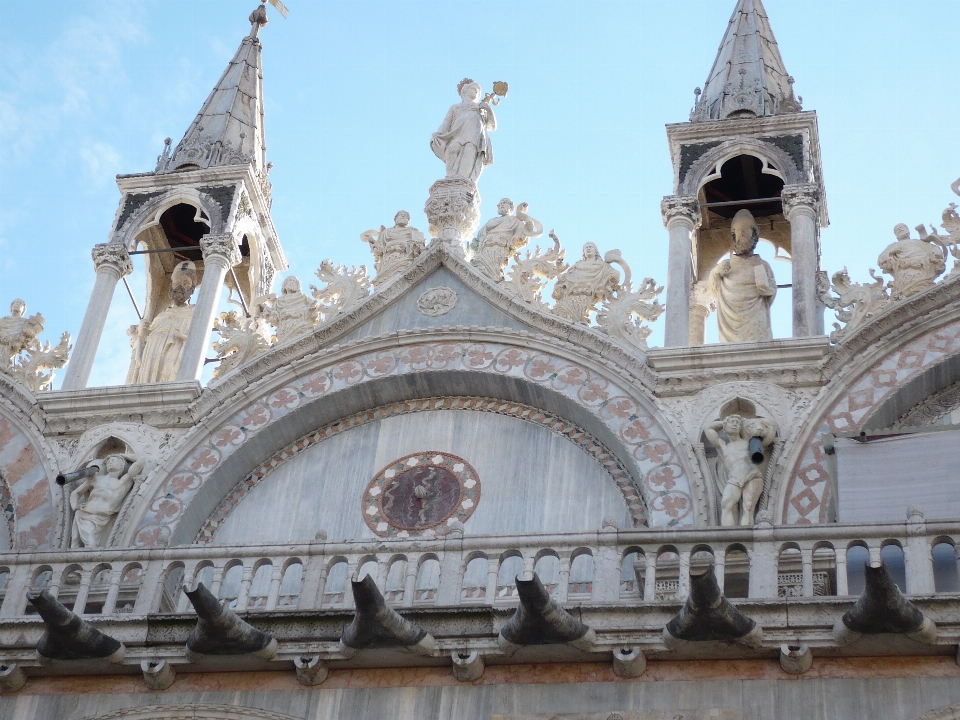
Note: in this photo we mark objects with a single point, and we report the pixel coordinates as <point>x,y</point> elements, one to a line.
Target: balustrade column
<point>606,570</point>
<point>842,588</point>
<point>82,592</point>
<point>451,573</point>
<point>492,573</point>
<point>410,583</point>
<point>719,566</point>
<point>216,582</point>
<point>806,559</point>
<point>321,587</point>
<point>763,563</point>
<point>244,592</point>
<point>381,576</point>
<point>276,577</point>
<point>875,558</point>
<point>352,568</point>
<point>112,262</point>
<point>313,571</point>
<point>111,602</point>
<point>683,581</point>
<point>151,587</point>
<point>563,588</point>
<point>650,580</point>
<point>918,555</point>
<point>801,208</point>
<point>15,599</point>
<point>681,216</point>
<point>220,253</point>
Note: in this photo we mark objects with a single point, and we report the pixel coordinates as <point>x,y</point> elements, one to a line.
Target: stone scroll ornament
<point>529,275</point>
<point>854,303</point>
<point>421,495</point>
<point>241,340</point>
<point>22,356</point>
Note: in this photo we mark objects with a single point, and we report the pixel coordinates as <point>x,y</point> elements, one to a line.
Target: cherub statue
<point>97,500</point>
<point>590,280</point>
<point>292,313</point>
<point>502,237</point>
<point>914,264</point>
<point>463,141</point>
<point>344,287</point>
<point>855,303</point>
<point>740,470</point>
<point>394,249</point>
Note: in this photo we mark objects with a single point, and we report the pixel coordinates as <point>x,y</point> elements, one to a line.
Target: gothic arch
<point>148,215</point>
<point>344,381</point>
<point>776,162</point>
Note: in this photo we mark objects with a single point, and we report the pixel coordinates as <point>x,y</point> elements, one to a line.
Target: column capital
<point>113,258</point>
<point>222,249</point>
<point>800,198</point>
<point>680,206</point>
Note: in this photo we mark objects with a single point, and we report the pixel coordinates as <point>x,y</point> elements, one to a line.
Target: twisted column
<point>801,208</point>
<point>220,253</point>
<point>681,216</point>
<point>112,262</point>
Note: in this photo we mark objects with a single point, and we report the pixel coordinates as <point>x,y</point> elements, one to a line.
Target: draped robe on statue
<point>462,141</point>
<point>744,297</point>
<point>163,348</point>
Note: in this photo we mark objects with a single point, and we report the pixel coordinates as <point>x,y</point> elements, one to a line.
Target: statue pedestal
<point>453,211</point>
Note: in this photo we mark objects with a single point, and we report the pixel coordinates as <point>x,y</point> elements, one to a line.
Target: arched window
<point>632,572</point>
<point>548,570</point>
<point>334,593</point>
<point>260,586</point>
<point>428,581</point>
<point>290,586</point>
<point>131,579</point>
<point>474,585</point>
<point>510,568</point>
<point>945,577</point>
<point>396,577</point>
<point>857,559</point>
<point>581,576</point>
<point>230,585</point>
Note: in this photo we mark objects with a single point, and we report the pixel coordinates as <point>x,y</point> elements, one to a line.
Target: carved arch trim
<point>149,214</point>
<point>705,166</point>
<point>354,379</point>
<point>192,711</point>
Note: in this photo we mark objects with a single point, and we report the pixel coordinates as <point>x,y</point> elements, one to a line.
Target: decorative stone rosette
<point>421,495</point>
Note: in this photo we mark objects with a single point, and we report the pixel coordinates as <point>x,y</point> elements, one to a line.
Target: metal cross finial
<point>258,18</point>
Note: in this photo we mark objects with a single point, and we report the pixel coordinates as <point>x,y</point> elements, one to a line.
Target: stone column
<point>453,210</point>
<point>112,263</point>
<point>220,253</point>
<point>801,208</point>
<point>681,216</point>
<point>702,303</point>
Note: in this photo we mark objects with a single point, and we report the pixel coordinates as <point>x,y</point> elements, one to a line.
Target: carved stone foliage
<point>344,287</point>
<point>113,257</point>
<point>623,316</point>
<point>241,340</point>
<point>529,275</point>
<point>686,207</point>
<point>437,301</point>
<point>855,303</point>
<point>453,210</point>
<point>800,197</point>
<point>22,356</point>
<point>221,249</point>
<point>191,711</point>
<point>933,409</point>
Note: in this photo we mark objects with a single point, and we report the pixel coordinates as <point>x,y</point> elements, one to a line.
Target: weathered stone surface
<point>69,637</point>
<point>539,620</point>
<point>220,631</point>
<point>708,616</point>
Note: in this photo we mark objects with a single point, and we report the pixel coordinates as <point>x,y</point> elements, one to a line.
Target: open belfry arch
<point>464,485</point>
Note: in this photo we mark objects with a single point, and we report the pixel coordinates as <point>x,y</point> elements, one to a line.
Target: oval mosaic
<point>421,495</point>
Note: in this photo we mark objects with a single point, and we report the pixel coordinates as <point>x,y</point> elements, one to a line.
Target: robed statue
<point>463,140</point>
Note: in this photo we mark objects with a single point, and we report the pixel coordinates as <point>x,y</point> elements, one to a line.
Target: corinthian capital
<point>220,249</point>
<point>800,198</point>
<point>680,206</point>
<point>112,257</point>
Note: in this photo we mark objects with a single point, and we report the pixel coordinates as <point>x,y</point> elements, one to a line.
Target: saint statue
<point>18,333</point>
<point>293,313</point>
<point>462,141</point>
<point>503,236</point>
<point>740,471</point>
<point>98,499</point>
<point>589,281</point>
<point>744,286</point>
<point>158,344</point>
<point>914,264</point>
<point>394,249</point>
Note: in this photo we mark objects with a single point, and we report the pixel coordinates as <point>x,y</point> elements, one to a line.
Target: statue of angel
<point>590,280</point>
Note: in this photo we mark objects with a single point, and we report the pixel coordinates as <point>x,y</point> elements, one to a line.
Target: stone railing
<point>607,568</point>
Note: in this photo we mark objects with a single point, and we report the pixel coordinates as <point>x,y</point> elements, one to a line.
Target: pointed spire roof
<point>748,77</point>
<point>229,128</point>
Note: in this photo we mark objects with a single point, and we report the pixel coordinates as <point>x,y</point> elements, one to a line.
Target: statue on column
<point>502,237</point>
<point>293,313</point>
<point>98,499</point>
<point>914,264</point>
<point>158,344</point>
<point>463,141</point>
<point>744,286</point>
<point>588,281</point>
<point>740,470</point>
<point>394,249</point>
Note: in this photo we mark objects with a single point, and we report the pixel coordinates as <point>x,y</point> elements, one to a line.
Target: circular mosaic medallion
<point>421,495</point>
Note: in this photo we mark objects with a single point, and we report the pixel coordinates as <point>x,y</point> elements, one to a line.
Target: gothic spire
<point>229,128</point>
<point>748,78</point>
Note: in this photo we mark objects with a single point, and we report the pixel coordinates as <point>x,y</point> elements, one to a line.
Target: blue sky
<point>355,87</point>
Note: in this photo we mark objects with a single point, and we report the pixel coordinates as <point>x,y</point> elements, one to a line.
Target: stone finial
<point>453,212</point>
<point>882,608</point>
<point>344,288</point>
<point>69,637</point>
<point>529,275</point>
<point>220,631</point>
<point>539,620</point>
<point>375,624</point>
<point>707,615</point>
<point>854,303</point>
<point>22,356</point>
